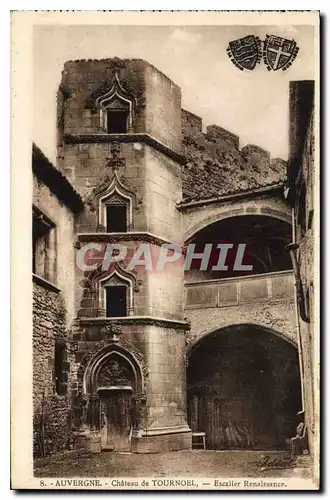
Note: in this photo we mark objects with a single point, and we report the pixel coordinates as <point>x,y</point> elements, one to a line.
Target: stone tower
<point>119,143</point>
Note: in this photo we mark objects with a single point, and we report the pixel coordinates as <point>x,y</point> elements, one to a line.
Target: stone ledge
<point>285,272</point>
<point>129,236</point>
<point>45,283</point>
<point>248,193</point>
<point>160,431</point>
<point>170,441</point>
<point>138,320</point>
<point>126,138</point>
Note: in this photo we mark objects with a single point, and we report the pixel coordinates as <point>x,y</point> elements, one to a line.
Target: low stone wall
<point>52,412</point>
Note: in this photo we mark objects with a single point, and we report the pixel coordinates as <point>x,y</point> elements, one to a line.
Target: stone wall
<point>85,165</point>
<point>275,315</point>
<point>53,314</point>
<point>52,412</point>
<point>158,99</point>
<point>306,237</point>
<point>216,166</point>
<point>82,78</point>
<point>63,219</point>
<point>303,196</point>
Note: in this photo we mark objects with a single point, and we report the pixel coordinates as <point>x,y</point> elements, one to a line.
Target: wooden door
<point>116,421</point>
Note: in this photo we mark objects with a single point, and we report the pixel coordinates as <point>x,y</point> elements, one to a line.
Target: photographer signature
<point>278,462</point>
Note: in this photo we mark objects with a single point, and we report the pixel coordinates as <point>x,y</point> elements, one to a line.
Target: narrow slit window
<point>116,217</point>
<point>61,368</point>
<point>116,302</point>
<point>117,121</point>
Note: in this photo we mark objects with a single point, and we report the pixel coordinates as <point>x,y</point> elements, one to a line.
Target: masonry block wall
<point>301,173</point>
<point>306,257</point>
<point>52,412</point>
<point>53,313</point>
<point>216,165</point>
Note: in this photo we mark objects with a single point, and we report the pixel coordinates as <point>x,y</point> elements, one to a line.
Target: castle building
<point>131,358</point>
<point>300,193</point>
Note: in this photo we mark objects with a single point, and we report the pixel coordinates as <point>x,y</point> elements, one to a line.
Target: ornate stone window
<point>116,109</point>
<point>116,294</point>
<point>116,208</point>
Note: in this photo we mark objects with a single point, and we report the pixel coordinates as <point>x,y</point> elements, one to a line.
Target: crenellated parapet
<point>215,164</point>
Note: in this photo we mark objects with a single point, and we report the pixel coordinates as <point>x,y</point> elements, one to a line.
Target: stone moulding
<point>39,280</point>
<point>136,320</point>
<point>108,345</point>
<point>249,193</point>
<point>115,237</point>
<point>265,321</point>
<point>115,87</point>
<point>125,138</point>
<point>94,278</point>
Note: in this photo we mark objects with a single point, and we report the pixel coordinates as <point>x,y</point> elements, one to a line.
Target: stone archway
<point>112,379</point>
<point>198,218</point>
<point>243,387</point>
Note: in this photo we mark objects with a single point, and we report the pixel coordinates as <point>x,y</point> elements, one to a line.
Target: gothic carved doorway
<point>115,384</point>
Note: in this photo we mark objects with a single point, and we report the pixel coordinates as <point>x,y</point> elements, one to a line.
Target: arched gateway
<point>243,387</point>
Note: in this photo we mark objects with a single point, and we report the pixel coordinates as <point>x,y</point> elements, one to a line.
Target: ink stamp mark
<point>245,52</point>
<point>277,52</point>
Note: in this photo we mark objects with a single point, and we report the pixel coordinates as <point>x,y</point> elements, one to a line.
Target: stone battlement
<point>217,166</point>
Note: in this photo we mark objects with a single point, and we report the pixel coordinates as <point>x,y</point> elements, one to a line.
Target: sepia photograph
<point>170,267</point>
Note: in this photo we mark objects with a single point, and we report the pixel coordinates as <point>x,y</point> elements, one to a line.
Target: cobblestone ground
<point>178,463</point>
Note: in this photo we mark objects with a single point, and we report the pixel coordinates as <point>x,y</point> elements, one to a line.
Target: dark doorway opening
<point>116,218</point>
<point>117,121</point>
<point>116,301</point>
<point>244,389</point>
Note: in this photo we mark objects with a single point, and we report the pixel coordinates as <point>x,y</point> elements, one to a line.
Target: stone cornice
<point>125,138</point>
<point>136,320</point>
<point>277,187</point>
<point>39,280</point>
<point>115,237</point>
<point>233,279</point>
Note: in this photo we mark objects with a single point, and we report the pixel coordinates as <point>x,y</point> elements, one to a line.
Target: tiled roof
<point>55,180</point>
